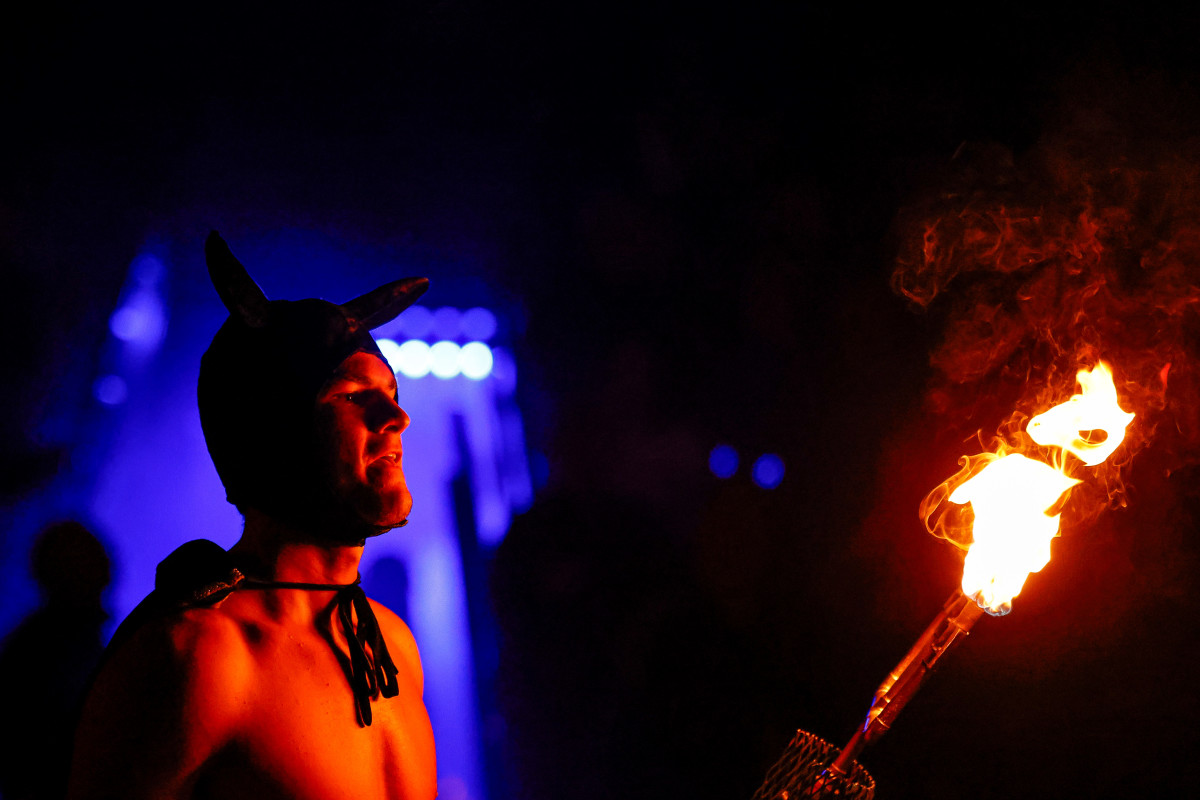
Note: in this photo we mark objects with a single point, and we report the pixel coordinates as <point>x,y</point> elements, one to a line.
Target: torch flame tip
<point>1016,500</point>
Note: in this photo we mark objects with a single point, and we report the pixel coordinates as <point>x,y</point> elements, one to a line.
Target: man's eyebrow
<point>354,377</point>
<point>360,378</point>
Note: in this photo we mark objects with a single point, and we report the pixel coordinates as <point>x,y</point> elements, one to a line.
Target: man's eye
<point>352,397</point>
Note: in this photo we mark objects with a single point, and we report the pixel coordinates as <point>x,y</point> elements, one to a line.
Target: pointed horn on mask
<point>381,305</point>
<point>233,283</point>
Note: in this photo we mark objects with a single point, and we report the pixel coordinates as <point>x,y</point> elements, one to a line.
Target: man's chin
<point>391,515</point>
<point>364,511</point>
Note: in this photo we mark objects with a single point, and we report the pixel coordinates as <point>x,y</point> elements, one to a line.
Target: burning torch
<point>1015,502</point>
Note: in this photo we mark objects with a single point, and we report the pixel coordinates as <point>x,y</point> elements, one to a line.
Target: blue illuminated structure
<point>148,484</point>
<point>444,359</point>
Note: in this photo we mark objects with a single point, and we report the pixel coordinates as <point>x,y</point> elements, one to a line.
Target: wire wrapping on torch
<point>808,769</point>
<point>800,774</point>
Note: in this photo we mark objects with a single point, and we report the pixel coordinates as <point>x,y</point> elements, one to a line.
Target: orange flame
<point>1016,500</point>
<point>1094,409</point>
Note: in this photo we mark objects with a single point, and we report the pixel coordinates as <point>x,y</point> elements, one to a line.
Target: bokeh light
<point>111,390</point>
<point>391,352</point>
<point>415,323</point>
<point>445,359</point>
<point>446,322</point>
<point>478,323</point>
<point>723,461</point>
<point>414,359</point>
<point>768,471</point>
<point>475,360</point>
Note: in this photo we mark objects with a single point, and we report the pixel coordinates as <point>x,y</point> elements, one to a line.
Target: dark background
<point>694,209</point>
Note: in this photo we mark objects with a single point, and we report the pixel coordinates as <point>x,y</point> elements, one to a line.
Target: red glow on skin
<point>359,425</point>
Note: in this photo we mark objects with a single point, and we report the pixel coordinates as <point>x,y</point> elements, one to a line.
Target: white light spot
<point>391,353</point>
<point>445,359</point>
<point>414,359</point>
<point>475,360</point>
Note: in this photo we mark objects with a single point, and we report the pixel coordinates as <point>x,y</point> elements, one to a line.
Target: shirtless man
<point>265,672</point>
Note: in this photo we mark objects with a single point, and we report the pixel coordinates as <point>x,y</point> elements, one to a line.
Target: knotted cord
<point>369,677</point>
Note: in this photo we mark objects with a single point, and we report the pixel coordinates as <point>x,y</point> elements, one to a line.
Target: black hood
<point>259,381</point>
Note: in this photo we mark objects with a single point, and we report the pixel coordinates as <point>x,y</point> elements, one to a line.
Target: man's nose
<point>390,416</point>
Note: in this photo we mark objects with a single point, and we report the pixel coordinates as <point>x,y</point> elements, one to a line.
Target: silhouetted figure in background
<point>47,660</point>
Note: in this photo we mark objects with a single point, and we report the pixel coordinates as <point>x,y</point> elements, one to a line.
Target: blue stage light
<point>445,359</point>
<point>723,461</point>
<point>414,359</point>
<point>768,471</point>
<point>391,352</point>
<point>128,324</point>
<point>446,322</point>
<point>415,323</point>
<point>478,323</point>
<point>147,270</point>
<point>111,390</point>
<point>475,360</point>
<point>140,320</point>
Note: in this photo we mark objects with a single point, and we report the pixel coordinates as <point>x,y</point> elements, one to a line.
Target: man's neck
<point>271,550</point>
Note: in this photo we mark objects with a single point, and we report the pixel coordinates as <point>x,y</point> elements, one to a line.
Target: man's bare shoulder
<point>193,649</point>
<point>400,642</point>
<point>167,698</point>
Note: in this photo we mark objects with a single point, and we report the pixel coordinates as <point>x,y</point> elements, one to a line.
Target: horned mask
<point>259,382</point>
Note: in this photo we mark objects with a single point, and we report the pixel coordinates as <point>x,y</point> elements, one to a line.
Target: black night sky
<point>693,212</point>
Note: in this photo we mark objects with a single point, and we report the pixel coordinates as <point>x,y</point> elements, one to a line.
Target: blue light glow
<point>475,360</point>
<point>127,323</point>
<point>147,270</point>
<point>723,461</point>
<point>413,359</point>
<point>539,469</point>
<point>446,322</point>
<point>140,319</point>
<point>768,470</point>
<point>111,390</point>
<point>478,323</point>
<point>416,322</point>
<point>445,359</point>
<point>416,359</point>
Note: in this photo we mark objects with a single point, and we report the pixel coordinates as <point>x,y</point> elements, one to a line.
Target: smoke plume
<point>1035,265</point>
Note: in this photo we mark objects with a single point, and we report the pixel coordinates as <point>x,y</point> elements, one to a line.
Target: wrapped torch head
<point>802,773</point>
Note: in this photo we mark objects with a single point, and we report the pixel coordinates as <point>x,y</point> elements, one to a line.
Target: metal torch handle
<point>955,620</point>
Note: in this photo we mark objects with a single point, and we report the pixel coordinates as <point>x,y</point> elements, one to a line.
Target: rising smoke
<point>1084,246</point>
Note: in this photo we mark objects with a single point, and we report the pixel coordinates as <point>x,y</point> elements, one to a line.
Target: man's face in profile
<point>358,435</point>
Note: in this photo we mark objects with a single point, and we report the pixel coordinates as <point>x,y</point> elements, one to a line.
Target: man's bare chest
<point>300,736</point>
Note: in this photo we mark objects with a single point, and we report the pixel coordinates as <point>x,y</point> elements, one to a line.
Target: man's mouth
<point>389,459</point>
